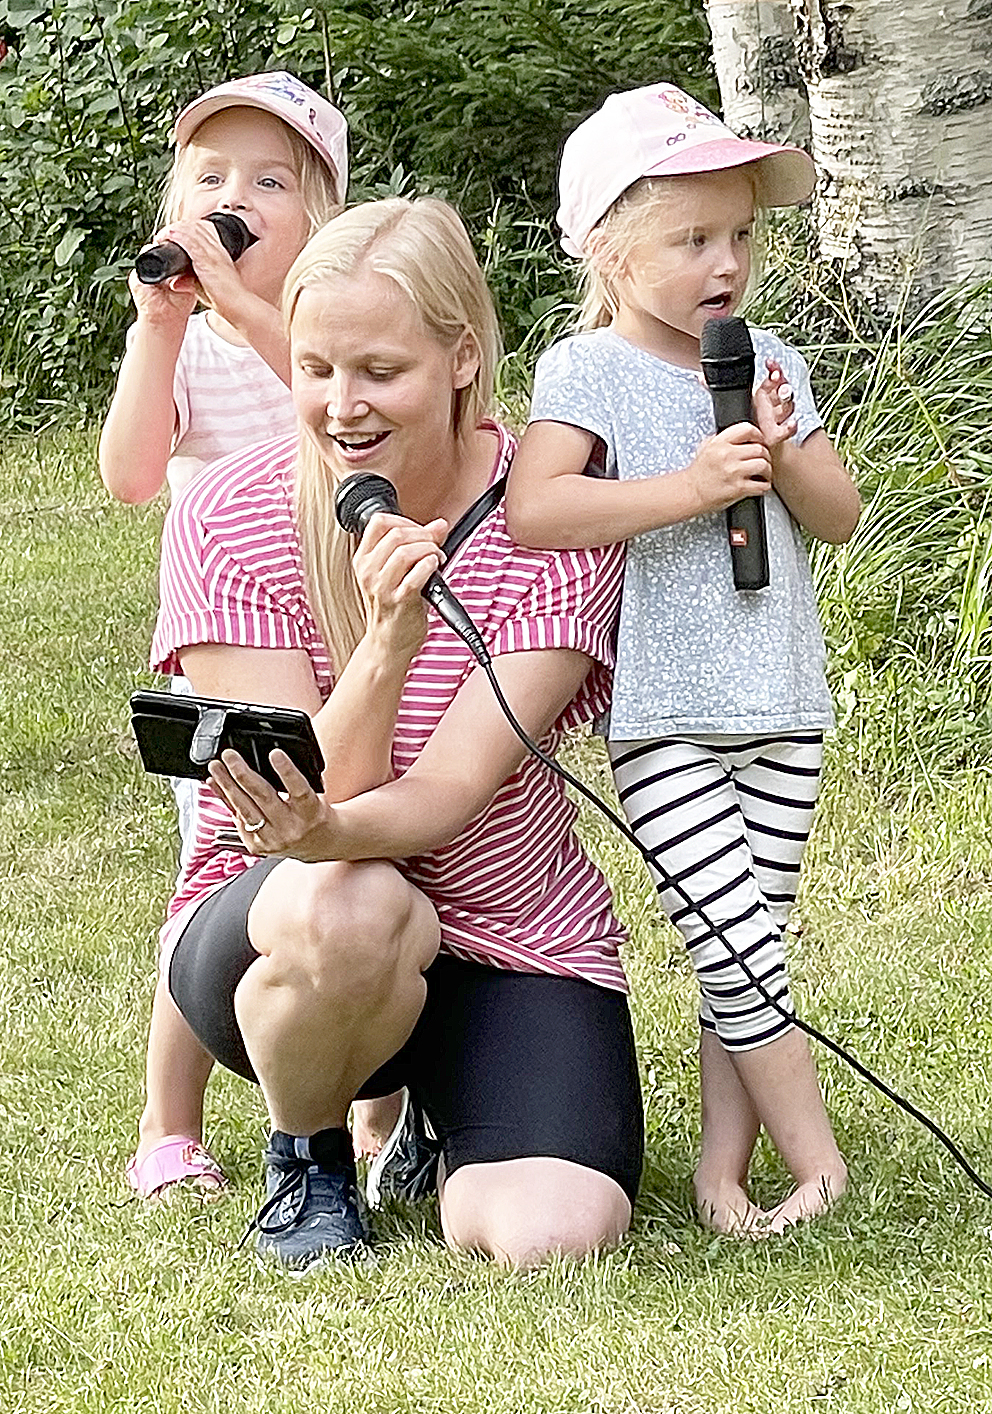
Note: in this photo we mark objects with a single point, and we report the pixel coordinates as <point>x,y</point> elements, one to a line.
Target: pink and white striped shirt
<point>514,889</point>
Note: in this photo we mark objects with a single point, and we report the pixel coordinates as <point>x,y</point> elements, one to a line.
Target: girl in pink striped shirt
<point>430,919</point>
<point>194,387</point>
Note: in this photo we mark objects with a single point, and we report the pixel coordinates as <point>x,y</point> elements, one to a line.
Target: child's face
<point>693,267</point>
<point>241,160</point>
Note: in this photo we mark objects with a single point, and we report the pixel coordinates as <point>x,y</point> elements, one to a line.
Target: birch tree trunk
<point>900,99</point>
<point>761,88</point>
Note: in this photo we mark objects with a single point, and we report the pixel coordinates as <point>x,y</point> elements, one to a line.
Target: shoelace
<point>295,1182</point>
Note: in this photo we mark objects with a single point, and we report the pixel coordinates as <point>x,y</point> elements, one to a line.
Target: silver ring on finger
<point>252,829</point>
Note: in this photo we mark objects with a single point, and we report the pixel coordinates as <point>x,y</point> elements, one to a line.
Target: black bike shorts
<point>507,1065</point>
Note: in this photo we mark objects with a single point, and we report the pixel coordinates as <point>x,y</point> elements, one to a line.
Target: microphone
<point>727,357</point>
<point>356,501</point>
<point>160,262</point>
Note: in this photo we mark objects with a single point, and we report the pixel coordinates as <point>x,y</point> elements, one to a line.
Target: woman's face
<point>373,388</point>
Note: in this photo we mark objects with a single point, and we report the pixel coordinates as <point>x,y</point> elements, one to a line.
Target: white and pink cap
<point>283,94</point>
<point>660,132</point>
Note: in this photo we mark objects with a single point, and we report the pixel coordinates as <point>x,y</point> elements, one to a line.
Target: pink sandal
<point>174,1160</point>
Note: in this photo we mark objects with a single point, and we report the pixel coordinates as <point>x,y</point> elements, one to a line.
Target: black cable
<point>651,857</point>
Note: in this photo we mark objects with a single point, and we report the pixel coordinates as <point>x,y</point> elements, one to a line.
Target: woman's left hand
<point>295,822</point>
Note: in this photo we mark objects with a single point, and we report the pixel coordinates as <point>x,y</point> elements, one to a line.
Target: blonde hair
<point>630,221</point>
<point>318,184</point>
<point>424,248</point>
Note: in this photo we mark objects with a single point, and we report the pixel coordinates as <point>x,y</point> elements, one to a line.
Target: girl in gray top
<point>720,701</point>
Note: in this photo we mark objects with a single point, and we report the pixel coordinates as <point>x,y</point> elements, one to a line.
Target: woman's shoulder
<point>252,482</point>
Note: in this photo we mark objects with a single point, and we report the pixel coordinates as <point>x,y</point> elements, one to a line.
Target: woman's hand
<point>774,409</point>
<point>295,822</point>
<point>393,562</point>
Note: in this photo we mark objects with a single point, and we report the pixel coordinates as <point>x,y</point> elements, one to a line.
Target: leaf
<point>68,245</point>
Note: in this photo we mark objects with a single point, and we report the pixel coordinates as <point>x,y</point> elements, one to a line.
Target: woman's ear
<point>466,359</point>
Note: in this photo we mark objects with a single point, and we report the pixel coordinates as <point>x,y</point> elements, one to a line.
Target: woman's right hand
<point>393,562</point>
<point>733,464</point>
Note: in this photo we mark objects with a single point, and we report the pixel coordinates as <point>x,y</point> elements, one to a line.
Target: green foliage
<point>468,101</point>
<point>907,604</point>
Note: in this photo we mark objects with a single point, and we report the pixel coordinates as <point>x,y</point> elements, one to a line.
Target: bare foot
<point>372,1122</point>
<point>726,1208</point>
<point>809,1200</point>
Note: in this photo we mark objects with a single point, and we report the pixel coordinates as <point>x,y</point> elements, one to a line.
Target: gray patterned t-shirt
<point>695,654</point>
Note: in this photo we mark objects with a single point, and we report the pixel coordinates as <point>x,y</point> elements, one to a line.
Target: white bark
<point>761,88</point>
<point>900,101</point>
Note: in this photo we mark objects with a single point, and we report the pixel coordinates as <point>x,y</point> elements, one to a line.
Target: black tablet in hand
<point>179,735</point>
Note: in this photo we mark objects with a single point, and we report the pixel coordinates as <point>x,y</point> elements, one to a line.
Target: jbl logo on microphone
<point>738,536</point>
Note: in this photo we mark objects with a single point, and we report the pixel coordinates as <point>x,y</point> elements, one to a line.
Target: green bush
<point>468,101</point>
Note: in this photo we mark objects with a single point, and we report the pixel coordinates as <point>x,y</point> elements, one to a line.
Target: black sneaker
<point>311,1214</point>
<point>406,1165</point>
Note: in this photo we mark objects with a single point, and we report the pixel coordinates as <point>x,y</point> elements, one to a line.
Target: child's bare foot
<point>726,1208</point>
<point>372,1122</point>
<point>809,1200</point>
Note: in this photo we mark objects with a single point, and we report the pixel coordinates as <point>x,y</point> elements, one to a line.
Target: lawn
<point>108,1304</point>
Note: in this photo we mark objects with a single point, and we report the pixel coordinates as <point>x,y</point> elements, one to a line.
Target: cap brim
<point>787,173</point>
<point>197,113</point>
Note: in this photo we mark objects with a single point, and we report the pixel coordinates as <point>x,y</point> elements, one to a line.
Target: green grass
<point>107,1304</point>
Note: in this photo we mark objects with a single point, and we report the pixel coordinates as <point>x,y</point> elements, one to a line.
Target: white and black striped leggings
<point>729,818</point>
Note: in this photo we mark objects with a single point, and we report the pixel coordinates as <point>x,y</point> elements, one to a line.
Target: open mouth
<point>718,304</point>
<point>359,442</point>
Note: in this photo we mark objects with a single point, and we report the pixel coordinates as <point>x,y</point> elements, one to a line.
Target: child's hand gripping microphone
<point>727,356</point>
<point>159,262</point>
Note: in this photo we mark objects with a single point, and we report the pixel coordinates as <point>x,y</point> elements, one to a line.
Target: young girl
<point>720,701</point>
<point>194,387</point>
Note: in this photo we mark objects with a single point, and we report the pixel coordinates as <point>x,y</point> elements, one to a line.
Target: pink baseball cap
<point>283,94</point>
<point>660,131</point>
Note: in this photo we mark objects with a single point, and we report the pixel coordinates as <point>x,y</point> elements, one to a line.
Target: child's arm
<point>810,477</point>
<point>257,321</point>
<point>136,440</point>
<point>551,503</point>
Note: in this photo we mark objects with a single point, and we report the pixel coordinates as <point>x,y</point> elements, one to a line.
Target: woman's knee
<point>524,1211</point>
<point>363,914</point>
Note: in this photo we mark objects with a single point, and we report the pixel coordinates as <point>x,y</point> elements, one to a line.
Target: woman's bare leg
<point>522,1211</point>
<point>338,986</point>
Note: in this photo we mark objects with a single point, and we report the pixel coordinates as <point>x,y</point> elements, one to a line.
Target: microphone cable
<point>356,500</point>
<point>651,857</point>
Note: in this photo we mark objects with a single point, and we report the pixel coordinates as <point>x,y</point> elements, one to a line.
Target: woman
<point>317,969</point>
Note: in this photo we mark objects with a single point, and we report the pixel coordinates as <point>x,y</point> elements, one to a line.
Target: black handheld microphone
<point>355,503</point>
<point>160,262</point>
<point>727,356</point>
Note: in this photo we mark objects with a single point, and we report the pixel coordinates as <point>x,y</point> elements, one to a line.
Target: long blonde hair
<point>423,247</point>
<point>317,181</point>
<point>631,220</point>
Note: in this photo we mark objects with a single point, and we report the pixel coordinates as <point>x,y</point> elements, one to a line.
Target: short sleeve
<point>571,386</point>
<point>210,587</point>
<point>573,602</point>
<point>796,370</point>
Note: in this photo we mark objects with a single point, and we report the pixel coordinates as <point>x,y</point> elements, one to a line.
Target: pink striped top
<point>514,889</point>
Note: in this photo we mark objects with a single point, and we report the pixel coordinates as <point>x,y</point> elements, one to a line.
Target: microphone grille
<point>359,497</point>
<point>725,339</point>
